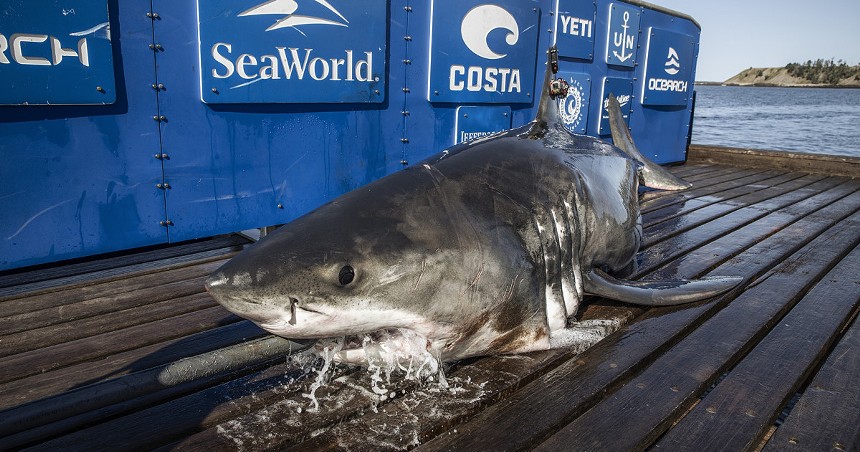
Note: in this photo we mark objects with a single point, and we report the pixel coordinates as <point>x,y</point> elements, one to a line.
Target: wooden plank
<point>569,390</point>
<point>51,383</point>
<point>706,185</point>
<point>97,347</point>
<point>168,421</point>
<point>114,274</point>
<point>738,411</point>
<point>792,161</point>
<point>126,259</point>
<point>687,170</point>
<point>675,210</point>
<point>706,228</point>
<point>646,405</point>
<point>112,288</point>
<point>828,413</point>
<point>674,198</point>
<point>98,306</point>
<point>113,321</point>
<point>102,397</point>
<point>781,228</point>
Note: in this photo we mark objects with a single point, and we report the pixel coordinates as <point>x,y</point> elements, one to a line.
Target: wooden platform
<point>134,354</point>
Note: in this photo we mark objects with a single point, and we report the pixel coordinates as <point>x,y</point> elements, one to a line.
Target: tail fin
<point>653,175</point>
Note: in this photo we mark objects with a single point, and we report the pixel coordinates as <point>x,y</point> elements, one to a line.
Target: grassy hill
<point>811,73</point>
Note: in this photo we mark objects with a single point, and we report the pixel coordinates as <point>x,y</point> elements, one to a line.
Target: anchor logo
<point>623,40</point>
<point>672,64</point>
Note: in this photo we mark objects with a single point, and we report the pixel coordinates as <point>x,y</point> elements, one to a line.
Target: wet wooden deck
<point>130,352</point>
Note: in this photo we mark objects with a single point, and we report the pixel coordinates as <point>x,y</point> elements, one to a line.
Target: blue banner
<point>487,56</point>
<point>574,28</point>
<point>56,52</point>
<point>476,122</point>
<point>622,34</point>
<point>622,88</point>
<point>284,51</point>
<point>668,68</point>
<point>574,107</point>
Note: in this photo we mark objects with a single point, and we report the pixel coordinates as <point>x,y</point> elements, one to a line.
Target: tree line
<point>823,71</point>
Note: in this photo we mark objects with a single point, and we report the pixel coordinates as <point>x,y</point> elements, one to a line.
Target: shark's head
<point>360,264</point>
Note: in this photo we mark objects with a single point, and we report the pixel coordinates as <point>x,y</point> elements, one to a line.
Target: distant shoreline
<point>774,85</point>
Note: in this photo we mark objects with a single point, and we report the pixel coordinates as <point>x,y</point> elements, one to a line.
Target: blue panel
<point>668,68</point>
<point>255,164</point>
<point>56,52</point>
<point>477,122</point>
<point>574,107</point>
<point>84,178</point>
<point>254,51</point>
<point>622,88</point>
<point>574,28</point>
<point>488,56</point>
<point>623,34</point>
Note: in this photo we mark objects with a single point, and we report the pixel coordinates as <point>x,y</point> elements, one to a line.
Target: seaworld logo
<point>475,30</point>
<point>291,63</point>
<point>287,8</point>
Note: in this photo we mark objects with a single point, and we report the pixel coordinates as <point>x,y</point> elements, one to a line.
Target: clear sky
<point>737,34</point>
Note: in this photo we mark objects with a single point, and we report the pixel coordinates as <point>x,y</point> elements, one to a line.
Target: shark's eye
<point>347,274</point>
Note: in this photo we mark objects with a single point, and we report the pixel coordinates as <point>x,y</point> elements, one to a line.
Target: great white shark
<point>487,247</point>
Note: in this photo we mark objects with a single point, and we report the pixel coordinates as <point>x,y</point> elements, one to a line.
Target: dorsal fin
<point>653,175</point>
<point>547,112</point>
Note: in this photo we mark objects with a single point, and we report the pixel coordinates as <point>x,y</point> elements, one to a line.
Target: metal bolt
<point>404,140</point>
<point>280,206</point>
<point>405,112</point>
<point>407,37</point>
<point>505,113</point>
<point>153,15</point>
<point>376,91</point>
<point>465,115</point>
<point>407,61</point>
<point>436,92</point>
<point>407,9</point>
<point>166,223</point>
<point>158,156</point>
<point>406,90</point>
<point>100,89</point>
<point>215,90</point>
<point>404,162</point>
<point>155,47</point>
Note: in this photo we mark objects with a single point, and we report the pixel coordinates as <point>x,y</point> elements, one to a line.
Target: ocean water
<point>812,120</point>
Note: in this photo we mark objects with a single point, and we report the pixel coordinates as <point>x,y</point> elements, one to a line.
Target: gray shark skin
<point>485,248</point>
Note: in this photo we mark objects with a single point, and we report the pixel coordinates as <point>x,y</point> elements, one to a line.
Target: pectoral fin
<point>653,175</point>
<point>657,293</point>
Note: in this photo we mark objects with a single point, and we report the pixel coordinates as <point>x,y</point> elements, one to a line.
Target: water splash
<point>329,350</point>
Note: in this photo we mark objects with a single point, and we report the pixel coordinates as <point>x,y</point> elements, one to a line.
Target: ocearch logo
<point>475,30</point>
<point>480,21</point>
<point>673,66</point>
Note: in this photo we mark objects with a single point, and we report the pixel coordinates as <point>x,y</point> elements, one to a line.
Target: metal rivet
<point>100,89</point>
<point>215,90</point>
<point>159,186</point>
<point>406,90</point>
<point>404,162</point>
<point>158,156</point>
<point>153,15</point>
<point>465,115</point>
<point>376,91</point>
<point>166,223</point>
<point>280,206</point>
<point>407,61</point>
<point>436,92</point>
<point>405,112</point>
<point>404,140</point>
<point>407,37</point>
<point>505,113</point>
<point>407,8</point>
<point>158,47</point>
